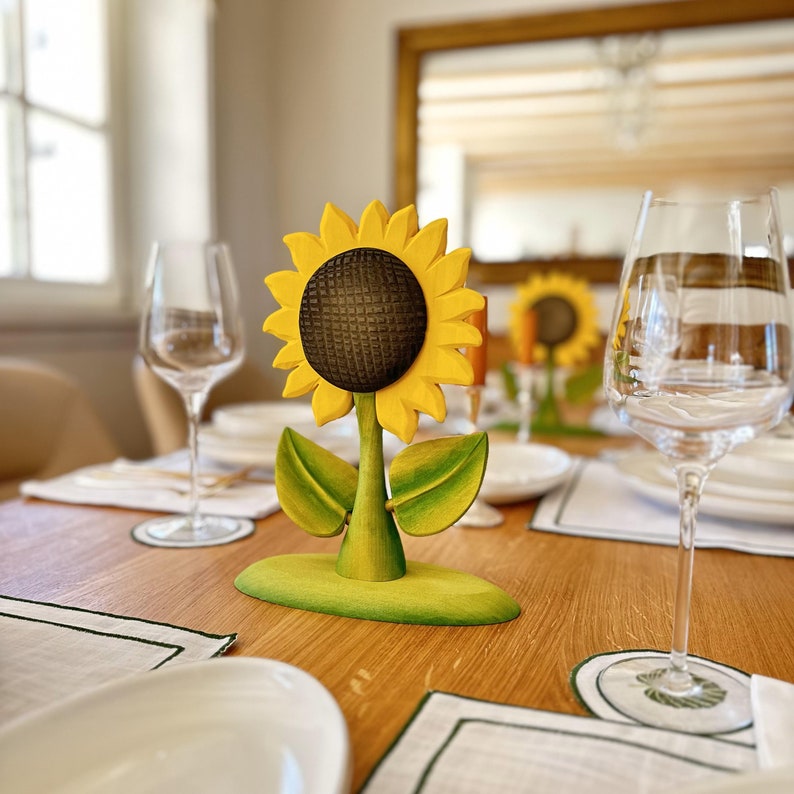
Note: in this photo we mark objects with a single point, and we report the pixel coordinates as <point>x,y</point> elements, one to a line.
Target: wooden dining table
<point>578,597</point>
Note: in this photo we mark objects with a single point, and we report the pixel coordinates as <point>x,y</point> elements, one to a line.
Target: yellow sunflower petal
<point>449,272</point>
<point>330,402</point>
<point>287,287</point>
<point>428,398</point>
<point>456,333</point>
<point>372,228</point>
<point>402,226</point>
<point>283,323</point>
<point>458,304</point>
<point>426,246</point>
<point>444,365</point>
<point>300,381</point>
<point>337,231</point>
<point>291,355</point>
<point>394,415</point>
<point>307,250</point>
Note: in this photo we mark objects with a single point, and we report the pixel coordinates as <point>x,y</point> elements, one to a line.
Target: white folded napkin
<point>773,716</point>
<point>456,744</point>
<point>597,502</point>
<point>51,652</point>
<point>124,483</point>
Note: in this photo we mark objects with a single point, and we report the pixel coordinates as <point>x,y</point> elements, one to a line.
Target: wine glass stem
<point>474,393</point>
<point>524,402</point>
<point>690,485</point>
<point>194,405</point>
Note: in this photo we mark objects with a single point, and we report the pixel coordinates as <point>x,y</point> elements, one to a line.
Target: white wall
<point>246,117</point>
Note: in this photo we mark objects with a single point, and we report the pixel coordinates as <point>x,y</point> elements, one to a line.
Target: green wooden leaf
<point>509,381</point>
<point>622,371</point>
<point>434,482</point>
<point>316,489</point>
<point>581,386</point>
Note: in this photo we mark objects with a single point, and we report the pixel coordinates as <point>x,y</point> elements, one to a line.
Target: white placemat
<point>49,652</point>
<point>773,712</point>
<point>93,485</point>
<point>596,502</point>
<point>456,745</point>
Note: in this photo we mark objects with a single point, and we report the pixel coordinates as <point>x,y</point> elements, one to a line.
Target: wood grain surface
<point>578,596</point>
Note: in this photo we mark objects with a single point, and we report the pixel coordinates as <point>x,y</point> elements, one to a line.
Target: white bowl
<point>223,725</point>
<point>516,472</point>
<point>263,419</point>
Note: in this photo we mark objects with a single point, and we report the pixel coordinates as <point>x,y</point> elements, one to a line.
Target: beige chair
<point>48,426</point>
<point>163,409</point>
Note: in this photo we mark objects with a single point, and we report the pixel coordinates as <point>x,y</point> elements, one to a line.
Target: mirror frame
<point>414,42</point>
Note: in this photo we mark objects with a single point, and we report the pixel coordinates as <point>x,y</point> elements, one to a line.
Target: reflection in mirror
<point>540,151</point>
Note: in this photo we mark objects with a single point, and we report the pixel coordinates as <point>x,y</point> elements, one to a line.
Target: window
<point>104,145</point>
<point>55,223</point>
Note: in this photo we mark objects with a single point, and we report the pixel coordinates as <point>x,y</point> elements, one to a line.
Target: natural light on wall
<point>171,74</point>
<point>105,142</point>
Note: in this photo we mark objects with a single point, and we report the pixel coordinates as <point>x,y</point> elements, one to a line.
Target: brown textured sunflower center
<point>556,320</point>
<point>362,319</point>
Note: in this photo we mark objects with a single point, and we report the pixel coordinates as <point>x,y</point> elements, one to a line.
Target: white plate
<point>223,725</point>
<point>521,471</point>
<point>649,474</point>
<point>263,419</point>
<point>261,451</point>
<point>766,456</point>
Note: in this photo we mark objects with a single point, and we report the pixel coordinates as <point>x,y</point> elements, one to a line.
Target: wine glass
<point>698,360</point>
<point>191,336</point>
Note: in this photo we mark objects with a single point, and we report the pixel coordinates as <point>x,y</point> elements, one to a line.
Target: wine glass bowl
<point>191,337</point>
<point>698,360</point>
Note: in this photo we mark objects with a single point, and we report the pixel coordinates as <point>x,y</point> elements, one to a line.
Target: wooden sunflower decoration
<point>374,316</point>
<point>620,358</point>
<point>567,326</point>
<point>567,331</point>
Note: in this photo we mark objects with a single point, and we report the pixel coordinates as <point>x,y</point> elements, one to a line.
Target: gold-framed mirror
<point>566,72</point>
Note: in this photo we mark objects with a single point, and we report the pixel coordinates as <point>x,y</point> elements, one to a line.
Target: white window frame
<point>140,209</point>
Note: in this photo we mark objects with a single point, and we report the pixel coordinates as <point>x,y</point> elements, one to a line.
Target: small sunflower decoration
<point>373,317</point>
<point>567,331</point>
<point>567,326</point>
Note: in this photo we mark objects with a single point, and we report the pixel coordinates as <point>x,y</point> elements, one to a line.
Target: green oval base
<point>427,594</point>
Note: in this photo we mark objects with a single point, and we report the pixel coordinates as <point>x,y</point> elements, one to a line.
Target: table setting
<point>460,744</point>
<point>632,496</point>
<point>163,484</point>
<point>360,622</point>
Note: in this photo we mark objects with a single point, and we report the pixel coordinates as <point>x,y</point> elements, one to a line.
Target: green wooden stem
<point>548,414</point>
<point>371,549</point>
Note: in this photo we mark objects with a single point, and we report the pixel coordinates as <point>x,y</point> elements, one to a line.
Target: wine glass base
<point>480,514</point>
<point>635,687</point>
<point>181,531</point>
